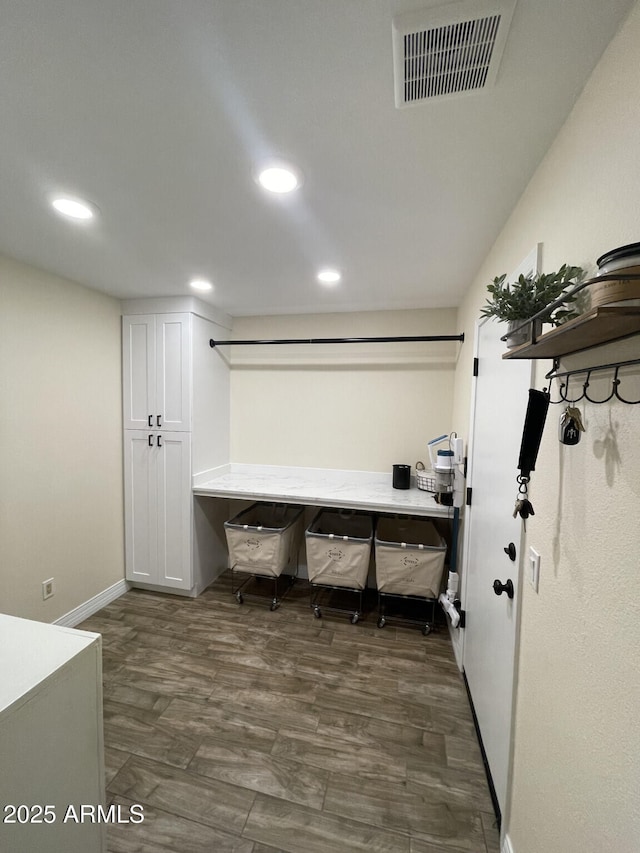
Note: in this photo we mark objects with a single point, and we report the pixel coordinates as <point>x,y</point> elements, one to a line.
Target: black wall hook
<point>563,387</point>
<point>616,385</point>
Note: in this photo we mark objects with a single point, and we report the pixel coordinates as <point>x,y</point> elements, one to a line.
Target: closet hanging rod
<point>380,340</point>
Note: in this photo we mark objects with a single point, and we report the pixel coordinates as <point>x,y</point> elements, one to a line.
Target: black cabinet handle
<point>159,442</point>
<point>150,420</point>
<point>158,417</point>
<point>150,440</point>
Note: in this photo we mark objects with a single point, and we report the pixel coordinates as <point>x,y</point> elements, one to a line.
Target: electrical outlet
<point>48,588</point>
<point>534,568</point>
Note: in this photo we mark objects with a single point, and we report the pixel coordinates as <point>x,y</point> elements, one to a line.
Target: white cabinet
<point>158,502</point>
<point>51,742</point>
<point>176,402</point>
<point>157,374</point>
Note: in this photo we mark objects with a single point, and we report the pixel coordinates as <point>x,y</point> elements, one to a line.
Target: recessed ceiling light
<point>201,284</point>
<point>279,179</point>
<point>74,208</point>
<point>329,276</point>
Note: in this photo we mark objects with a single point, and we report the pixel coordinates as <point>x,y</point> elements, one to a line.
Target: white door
<point>491,632</point>
<point>173,380</point>
<point>157,476</point>
<point>174,500</point>
<point>140,504</point>
<point>139,360</point>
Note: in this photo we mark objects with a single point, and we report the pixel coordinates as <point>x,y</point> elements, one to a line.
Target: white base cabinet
<point>158,507</point>
<point>51,742</point>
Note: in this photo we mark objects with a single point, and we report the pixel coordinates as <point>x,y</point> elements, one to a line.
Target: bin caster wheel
<point>239,597</point>
<point>317,613</point>
<point>275,604</point>
<point>427,630</point>
<point>381,622</point>
<point>355,618</point>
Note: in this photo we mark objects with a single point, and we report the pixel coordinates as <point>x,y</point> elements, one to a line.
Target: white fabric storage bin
<point>338,549</point>
<point>264,539</point>
<point>410,557</point>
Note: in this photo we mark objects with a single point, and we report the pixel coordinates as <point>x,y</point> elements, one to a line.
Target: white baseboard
<point>456,642</point>
<point>83,611</point>
<point>507,846</point>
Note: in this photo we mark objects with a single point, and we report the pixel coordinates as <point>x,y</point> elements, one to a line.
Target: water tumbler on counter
<point>401,476</point>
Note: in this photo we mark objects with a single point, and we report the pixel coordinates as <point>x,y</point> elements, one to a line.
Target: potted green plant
<point>520,300</point>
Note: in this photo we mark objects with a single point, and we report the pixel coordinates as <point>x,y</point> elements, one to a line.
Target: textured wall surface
<point>353,406</point>
<point>576,772</point>
<point>61,496</point>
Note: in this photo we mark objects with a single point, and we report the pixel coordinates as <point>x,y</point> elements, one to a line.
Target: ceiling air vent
<point>448,51</point>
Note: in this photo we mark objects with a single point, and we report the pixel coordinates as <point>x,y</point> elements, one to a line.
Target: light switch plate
<point>534,568</point>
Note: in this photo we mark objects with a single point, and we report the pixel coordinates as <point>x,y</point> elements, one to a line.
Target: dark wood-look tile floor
<point>242,729</point>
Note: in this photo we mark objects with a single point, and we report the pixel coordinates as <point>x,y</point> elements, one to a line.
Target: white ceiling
<point>158,111</point>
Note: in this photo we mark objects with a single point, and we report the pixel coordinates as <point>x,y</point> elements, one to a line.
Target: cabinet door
<point>140,503</point>
<point>174,501</point>
<point>51,739</point>
<point>173,377</point>
<point>139,359</point>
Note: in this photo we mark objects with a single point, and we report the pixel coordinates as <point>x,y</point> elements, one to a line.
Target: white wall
<point>61,497</point>
<point>211,383</point>
<point>353,406</point>
<point>576,777</point>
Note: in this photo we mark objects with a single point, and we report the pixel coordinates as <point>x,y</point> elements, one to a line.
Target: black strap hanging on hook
<point>534,421</point>
<point>533,428</point>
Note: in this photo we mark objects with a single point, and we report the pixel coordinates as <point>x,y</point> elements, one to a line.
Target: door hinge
<point>463,613</point>
<point>469,494</point>
<point>475,366</point>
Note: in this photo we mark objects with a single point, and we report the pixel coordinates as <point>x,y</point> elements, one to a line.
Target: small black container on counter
<point>401,476</point>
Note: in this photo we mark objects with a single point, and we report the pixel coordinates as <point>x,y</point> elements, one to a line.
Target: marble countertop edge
<point>365,490</point>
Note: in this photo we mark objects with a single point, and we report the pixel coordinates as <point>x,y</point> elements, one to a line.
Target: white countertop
<point>364,490</point>
<point>32,651</point>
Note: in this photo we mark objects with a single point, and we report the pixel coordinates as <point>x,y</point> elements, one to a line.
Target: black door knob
<point>507,587</point>
<point>511,551</point>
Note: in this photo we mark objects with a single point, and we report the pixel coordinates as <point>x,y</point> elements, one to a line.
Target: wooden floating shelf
<point>599,326</point>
